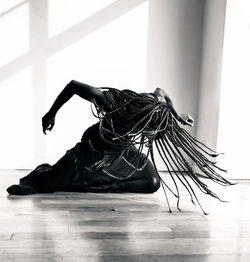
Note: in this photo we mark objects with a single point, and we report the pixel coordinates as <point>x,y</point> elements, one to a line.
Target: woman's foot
<point>20,190</point>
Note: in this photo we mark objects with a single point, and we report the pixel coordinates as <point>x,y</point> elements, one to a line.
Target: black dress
<point>84,168</point>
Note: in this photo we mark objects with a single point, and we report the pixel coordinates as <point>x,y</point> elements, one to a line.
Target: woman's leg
<point>144,181</point>
<point>46,178</point>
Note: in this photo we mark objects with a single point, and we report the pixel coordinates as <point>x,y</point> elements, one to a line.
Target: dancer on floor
<point>109,157</point>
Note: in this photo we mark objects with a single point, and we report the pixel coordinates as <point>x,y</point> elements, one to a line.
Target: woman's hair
<point>143,120</point>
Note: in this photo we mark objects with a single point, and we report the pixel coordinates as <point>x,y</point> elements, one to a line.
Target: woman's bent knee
<point>154,184</point>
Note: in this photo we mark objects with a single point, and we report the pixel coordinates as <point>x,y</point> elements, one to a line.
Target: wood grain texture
<point>122,227</point>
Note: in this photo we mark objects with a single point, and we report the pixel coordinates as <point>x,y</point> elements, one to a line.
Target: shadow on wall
<point>49,47</point>
<point>43,59</point>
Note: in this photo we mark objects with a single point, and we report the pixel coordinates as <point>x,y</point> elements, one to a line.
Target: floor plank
<point>122,227</point>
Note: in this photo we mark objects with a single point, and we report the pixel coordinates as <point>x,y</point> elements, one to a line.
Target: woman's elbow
<point>72,83</point>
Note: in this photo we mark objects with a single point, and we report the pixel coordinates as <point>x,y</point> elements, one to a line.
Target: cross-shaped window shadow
<point>48,47</point>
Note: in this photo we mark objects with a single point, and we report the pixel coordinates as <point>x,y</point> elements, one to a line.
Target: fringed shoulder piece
<point>143,121</point>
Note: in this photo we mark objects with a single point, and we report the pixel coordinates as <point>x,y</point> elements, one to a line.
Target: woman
<point>109,157</point>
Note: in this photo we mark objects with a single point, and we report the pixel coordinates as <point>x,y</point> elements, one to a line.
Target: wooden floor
<point>122,227</point>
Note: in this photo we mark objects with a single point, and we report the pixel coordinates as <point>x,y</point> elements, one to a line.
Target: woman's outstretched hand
<point>48,121</point>
<point>186,119</point>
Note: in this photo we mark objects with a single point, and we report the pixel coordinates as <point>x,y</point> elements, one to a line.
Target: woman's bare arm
<point>185,119</point>
<point>85,91</point>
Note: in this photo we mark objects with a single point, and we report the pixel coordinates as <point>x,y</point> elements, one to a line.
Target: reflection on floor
<point>122,227</point>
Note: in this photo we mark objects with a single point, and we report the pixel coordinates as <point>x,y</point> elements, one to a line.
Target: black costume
<point>109,157</point>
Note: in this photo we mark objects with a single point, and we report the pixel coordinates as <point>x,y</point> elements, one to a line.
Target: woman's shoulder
<point>115,98</point>
<point>112,98</point>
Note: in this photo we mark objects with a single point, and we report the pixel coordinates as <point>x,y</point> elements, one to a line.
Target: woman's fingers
<point>187,119</point>
<point>51,126</point>
<point>44,131</point>
<point>190,120</point>
<point>44,127</point>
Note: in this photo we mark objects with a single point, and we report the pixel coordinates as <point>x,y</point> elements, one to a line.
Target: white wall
<point>210,82</point>
<point>174,51</point>
<point>234,126</point>
<point>185,48</point>
<point>134,44</point>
